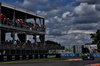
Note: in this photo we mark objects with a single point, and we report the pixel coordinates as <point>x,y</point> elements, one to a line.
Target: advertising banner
<point>96,54</point>
<point>81,54</point>
<point>69,55</point>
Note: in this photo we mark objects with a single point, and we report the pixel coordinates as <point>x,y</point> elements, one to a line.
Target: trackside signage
<point>81,54</point>
<point>51,56</point>
<point>69,55</point>
<point>96,54</point>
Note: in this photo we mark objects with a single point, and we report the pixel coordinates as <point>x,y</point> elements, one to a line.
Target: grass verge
<point>36,60</point>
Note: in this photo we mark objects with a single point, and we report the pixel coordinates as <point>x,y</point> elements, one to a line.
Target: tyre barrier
<point>27,57</point>
<point>43,56</point>
<point>20,57</point>
<point>13,58</point>
<point>23,57</point>
<point>39,57</point>
<point>4,58</point>
<point>33,56</point>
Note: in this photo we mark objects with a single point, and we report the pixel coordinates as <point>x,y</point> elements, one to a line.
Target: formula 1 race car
<point>87,57</point>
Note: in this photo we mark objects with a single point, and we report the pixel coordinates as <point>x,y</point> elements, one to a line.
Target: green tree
<point>96,39</point>
<point>51,45</point>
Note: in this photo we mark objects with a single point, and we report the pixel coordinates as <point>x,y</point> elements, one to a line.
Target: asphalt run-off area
<point>67,62</point>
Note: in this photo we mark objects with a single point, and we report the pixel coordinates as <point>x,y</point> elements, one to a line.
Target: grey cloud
<point>57,31</point>
<point>85,9</point>
<point>96,2</point>
<point>85,13</point>
<point>86,19</point>
<point>75,39</point>
<point>34,4</point>
<point>60,29</point>
<point>88,1</point>
<point>89,26</point>
<point>98,7</point>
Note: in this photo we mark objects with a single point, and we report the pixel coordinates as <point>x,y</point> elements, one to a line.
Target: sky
<point>67,21</point>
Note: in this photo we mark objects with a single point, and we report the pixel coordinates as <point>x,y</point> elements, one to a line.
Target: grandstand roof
<point>20,13</point>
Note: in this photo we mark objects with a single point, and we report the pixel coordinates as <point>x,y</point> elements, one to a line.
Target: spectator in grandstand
<point>0,16</point>
<point>6,42</point>
<point>5,20</point>
<point>10,42</point>
<point>18,44</point>
<point>9,21</point>
<point>0,53</point>
<point>36,44</point>
<point>25,25</point>
<point>2,19</point>
<point>23,46</point>
<point>19,21</point>
<point>15,42</point>
<point>33,25</point>
<point>37,26</point>
<point>15,21</point>
<point>4,52</point>
<point>28,41</point>
<point>18,41</point>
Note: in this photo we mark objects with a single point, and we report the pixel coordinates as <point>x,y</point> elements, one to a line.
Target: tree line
<point>96,39</point>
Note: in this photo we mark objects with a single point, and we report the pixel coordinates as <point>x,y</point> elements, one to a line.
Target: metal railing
<point>24,25</point>
<point>21,46</point>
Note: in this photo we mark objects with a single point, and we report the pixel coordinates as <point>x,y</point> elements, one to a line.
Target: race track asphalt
<point>54,63</point>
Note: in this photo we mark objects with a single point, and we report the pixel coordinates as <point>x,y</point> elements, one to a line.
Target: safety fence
<point>26,57</point>
<point>79,54</point>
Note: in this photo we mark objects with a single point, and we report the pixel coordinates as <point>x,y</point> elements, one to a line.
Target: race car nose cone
<point>88,57</point>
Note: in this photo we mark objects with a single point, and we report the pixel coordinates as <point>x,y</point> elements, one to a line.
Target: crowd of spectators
<point>20,45</point>
<point>17,44</point>
<point>21,23</point>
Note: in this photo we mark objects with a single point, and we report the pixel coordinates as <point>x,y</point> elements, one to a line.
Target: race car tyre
<point>13,58</point>
<point>27,57</point>
<point>20,57</point>
<point>5,58</point>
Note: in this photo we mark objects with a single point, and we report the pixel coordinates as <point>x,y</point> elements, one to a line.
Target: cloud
<point>89,26</point>
<point>65,14</point>
<point>96,2</point>
<point>85,9</point>
<point>67,23</point>
<point>80,31</point>
<point>85,13</point>
<point>58,19</point>
<point>33,4</point>
<point>88,1</point>
<point>55,32</point>
<point>81,23</point>
<point>98,7</point>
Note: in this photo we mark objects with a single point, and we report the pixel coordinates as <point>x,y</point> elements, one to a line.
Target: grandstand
<point>13,20</point>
